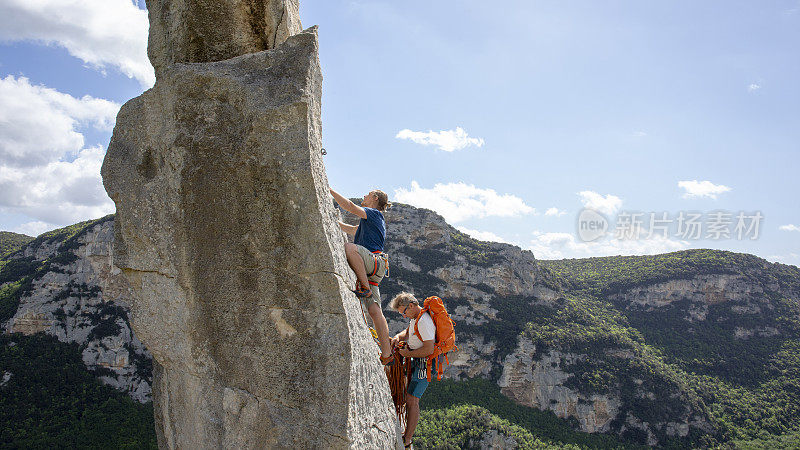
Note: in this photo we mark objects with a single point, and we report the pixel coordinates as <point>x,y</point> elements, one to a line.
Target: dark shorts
<point>419,378</point>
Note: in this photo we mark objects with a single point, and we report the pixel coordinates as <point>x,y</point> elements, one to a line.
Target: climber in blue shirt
<point>366,257</point>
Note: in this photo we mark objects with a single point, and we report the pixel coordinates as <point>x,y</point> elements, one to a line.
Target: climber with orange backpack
<point>428,338</point>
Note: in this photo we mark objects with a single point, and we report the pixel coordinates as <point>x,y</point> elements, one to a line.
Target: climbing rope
<point>399,375</point>
<point>371,329</point>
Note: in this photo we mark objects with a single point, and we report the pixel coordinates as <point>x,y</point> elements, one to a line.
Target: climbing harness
<point>375,255</point>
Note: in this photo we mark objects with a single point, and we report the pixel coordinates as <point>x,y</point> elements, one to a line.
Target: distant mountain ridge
<point>699,346</point>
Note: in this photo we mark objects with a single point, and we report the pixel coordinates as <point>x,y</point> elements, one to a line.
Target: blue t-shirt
<point>371,231</point>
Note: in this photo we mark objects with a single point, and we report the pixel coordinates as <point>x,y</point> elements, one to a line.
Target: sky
<point>571,129</point>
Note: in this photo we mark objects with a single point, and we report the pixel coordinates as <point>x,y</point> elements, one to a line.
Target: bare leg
<point>412,417</point>
<point>356,263</point>
<point>381,327</point>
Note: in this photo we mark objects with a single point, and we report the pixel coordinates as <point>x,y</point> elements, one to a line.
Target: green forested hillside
<point>467,426</point>
<point>445,402</point>
<point>11,241</point>
<point>49,400</point>
<point>602,276</point>
<point>749,389</point>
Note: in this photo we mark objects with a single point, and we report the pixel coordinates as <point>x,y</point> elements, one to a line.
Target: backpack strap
<point>428,359</point>
<point>416,323</point>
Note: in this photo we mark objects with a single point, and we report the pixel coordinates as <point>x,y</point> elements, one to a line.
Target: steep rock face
<point>701,292</point>
<point>85,300</point>
<point>750,304</point>
<point>540,383</point>
<point>546,380</point>
<point>226,233</point>
<point>716,318</point>
<point>186,31</point>
<point>474,358</point>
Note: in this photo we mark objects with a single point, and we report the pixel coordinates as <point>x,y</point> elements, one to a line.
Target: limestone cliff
<point>186,31</point>
<point>227,236</point>
<point>82,297</point>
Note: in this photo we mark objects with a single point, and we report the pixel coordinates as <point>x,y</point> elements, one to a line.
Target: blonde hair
<point>403,299</point>
<point>383,200</point>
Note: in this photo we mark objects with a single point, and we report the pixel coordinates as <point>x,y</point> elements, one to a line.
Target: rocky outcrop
<point>85,300</point>
<point>187,31</point>
<point>742,298</point>
<point>474,358</point>
<point>494,440</point>
<point>227,234</point>
<point>702,289</point>
<point>542,380</point>
<point>539,383</point>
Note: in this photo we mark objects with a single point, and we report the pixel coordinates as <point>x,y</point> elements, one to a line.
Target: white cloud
<point>459,201</point>
<point>565,245</point>
<point>753,87</point>
<point>639,134</point>
<point>790,227</point>
<point>482,235</point>
<point>60,192</point>
<point>555,212</point>
<point>790,258</point>
<point>101,33</point>
<point>706,188</point>
<point>34,228</point>
<point>608,204</point>
<point>46,171</point>
<point>39,125</point>
<point>446,140</point>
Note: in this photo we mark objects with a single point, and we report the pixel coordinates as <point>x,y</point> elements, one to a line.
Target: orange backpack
<point>445,334</point>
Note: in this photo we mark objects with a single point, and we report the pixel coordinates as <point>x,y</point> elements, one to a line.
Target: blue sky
<point>508,121</point>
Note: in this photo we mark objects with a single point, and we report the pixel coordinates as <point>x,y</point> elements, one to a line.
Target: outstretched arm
<point>348,205</point>
<point>349,229</point>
